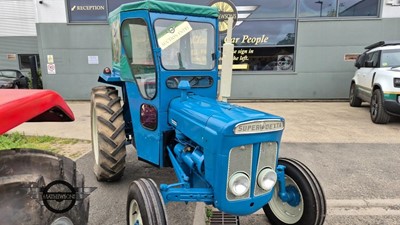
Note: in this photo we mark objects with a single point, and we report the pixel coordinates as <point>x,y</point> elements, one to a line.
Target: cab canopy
<point>167,7</point>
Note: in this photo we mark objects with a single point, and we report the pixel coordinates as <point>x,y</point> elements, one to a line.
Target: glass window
<point>274,32</point>
<point>313,8</point>
<point>255,9</point>
<point>24,61</point>
<point>268,48</point>
<point>115,41</point>
<point>137,46</point>
<point>186,45</point>
<point>194,81</point>
<point>390,58</point>
<point>373,58</point>
<point>358,7</point>
<point>8,73</point>
<point>264,58</point>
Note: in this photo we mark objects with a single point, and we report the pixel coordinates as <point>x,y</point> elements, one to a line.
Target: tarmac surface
<point>356,161</point>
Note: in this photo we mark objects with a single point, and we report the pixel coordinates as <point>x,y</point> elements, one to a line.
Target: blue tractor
<point>165,62</point>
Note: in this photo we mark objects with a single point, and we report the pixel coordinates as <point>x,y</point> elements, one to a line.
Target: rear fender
<point>19,106</point>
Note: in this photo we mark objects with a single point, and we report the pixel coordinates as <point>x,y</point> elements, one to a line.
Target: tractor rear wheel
<point>108,134</point>
<point>24,174</point>
<point>145,204</point>
<point>308,205</point>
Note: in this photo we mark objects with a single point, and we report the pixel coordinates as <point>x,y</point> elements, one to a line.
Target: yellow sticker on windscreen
<point>173,33</point>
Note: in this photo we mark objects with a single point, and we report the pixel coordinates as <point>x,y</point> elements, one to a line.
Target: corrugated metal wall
<point>17,18</point>
<point>16,45</point>
<point>17,31</point>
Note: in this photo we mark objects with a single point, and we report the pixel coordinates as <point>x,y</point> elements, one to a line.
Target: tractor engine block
<point>189,153</point>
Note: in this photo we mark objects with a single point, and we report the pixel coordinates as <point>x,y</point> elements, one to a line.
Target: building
<point>284,49</point>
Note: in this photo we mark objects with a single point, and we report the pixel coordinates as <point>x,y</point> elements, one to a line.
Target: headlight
<point>267,179</point>
<point>239,184</point>
<point>396,82</point>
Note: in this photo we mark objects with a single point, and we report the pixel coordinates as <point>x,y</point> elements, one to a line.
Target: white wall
<point>391,9</point>
<point>17,18</point>
<point>51,11</point>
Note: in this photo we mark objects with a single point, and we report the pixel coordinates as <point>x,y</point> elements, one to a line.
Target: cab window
<point>137,46</point>
<point>186,45</point>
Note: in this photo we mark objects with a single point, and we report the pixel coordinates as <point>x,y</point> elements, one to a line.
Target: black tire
<point>145,204</point>
<point>108,134</point>
<point>378,114</point>
<point>311,208</point>
<point>23,175</point>
<point>353,99</point>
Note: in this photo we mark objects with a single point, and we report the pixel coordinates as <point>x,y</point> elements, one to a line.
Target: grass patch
<point>53,144</point>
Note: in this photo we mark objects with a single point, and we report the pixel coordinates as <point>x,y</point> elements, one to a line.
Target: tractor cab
<point>155,46</point>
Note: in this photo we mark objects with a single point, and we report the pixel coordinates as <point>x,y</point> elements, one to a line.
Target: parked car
<point>13,79</point>
<point>377,81</point>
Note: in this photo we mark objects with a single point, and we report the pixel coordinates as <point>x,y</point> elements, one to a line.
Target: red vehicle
<point>26,173</point>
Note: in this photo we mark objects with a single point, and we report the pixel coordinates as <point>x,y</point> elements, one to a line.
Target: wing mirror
<point>357,64</point>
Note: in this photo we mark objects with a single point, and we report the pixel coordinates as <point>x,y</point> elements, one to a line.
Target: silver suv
<point>377,81</point>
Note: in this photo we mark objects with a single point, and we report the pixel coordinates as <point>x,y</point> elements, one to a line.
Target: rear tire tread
<point>106,108</point>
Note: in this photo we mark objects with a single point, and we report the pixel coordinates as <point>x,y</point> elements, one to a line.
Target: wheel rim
<point>374,106</point>
<point>135,218</point>
<point>95,138</point>
<point>283,210</point>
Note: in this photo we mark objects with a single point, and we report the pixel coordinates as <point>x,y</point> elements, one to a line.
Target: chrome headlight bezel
<point>267,179</point>
<point>239,184</point>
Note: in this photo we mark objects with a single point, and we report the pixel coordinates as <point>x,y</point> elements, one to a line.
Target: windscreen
<point>8,74</point>
<point>186,45</point>
<point>390,58</point>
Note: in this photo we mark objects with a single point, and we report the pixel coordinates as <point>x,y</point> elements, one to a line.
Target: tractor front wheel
<point>145,205</point>
<point>108,134</point>
<point>307,205</point>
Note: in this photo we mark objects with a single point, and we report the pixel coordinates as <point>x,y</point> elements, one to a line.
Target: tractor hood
<point>197,115</point>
